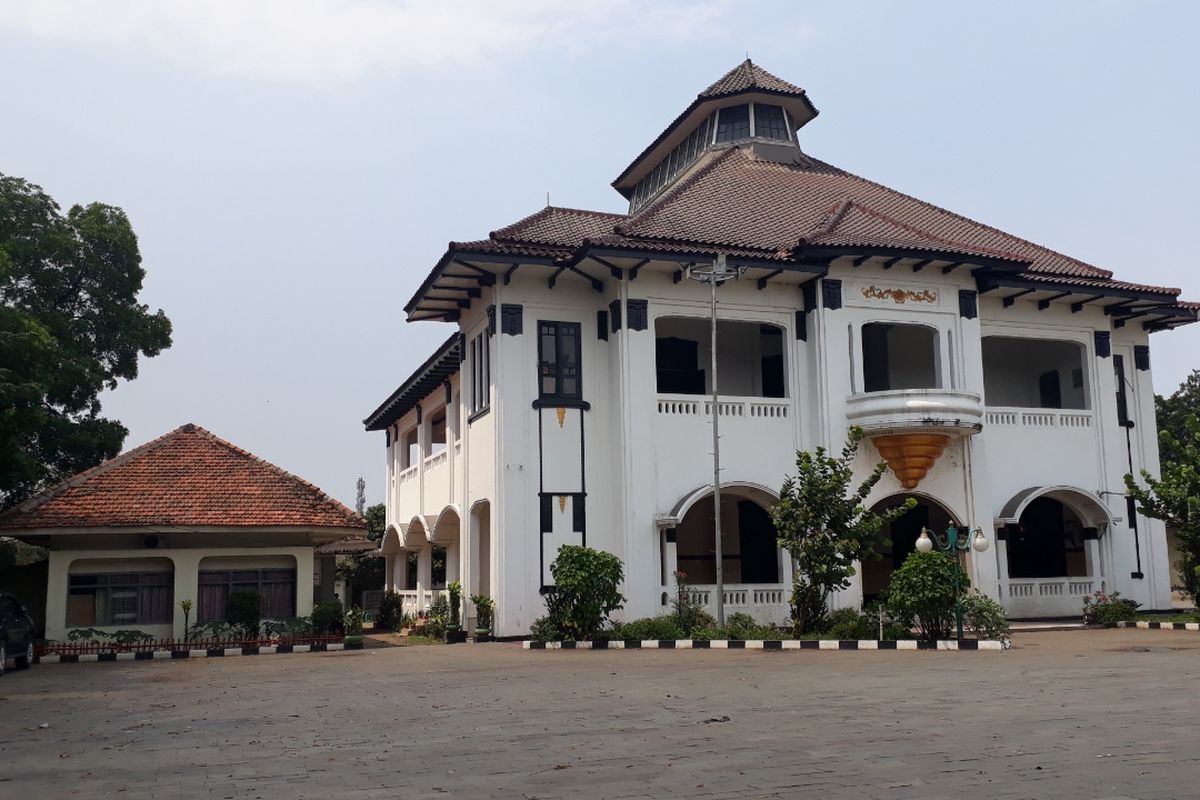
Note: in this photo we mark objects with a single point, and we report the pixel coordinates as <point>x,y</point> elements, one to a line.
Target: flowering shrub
<point>985,618</point>
<point>1101,608</point>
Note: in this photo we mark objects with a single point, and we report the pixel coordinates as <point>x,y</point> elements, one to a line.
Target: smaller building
<point>186,516</point>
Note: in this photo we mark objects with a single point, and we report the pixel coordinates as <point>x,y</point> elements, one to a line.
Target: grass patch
<point>417,640</point>
<point>1188,617</point>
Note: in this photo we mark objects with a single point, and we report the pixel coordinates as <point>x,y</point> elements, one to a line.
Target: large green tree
<point>70,327</point>
<point>825,526</point>
<point>1174,496</point>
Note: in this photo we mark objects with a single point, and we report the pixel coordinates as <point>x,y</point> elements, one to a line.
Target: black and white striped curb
<point>173,655</point>
<point>768,644</point>
<point>1157,626</point>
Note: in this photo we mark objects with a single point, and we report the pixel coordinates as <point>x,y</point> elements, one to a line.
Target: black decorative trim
<point>387,437</point>
<point>578,513</point>
<point>672,535</point>
<point>802,326</point>
<point>1091,534</point>
<point>512,317</point>
<point>552,403</point>
<point>420,414</point>
<point>491,316</point>
<point>831,293</point>
<point>462,348</point>
<point>546,513</point>
<point>809,292</point>
<point>614,315</point>
<point>637,311</point>
<point>449,393</point>
<point>1103,343</point>
<point>968,306</point>
<point>602,325</point>
<point>1141,357</point>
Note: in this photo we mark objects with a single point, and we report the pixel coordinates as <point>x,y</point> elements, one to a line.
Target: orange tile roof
<point>187,478</point>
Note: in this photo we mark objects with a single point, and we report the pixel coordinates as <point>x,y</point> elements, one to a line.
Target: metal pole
<point>717,461</point>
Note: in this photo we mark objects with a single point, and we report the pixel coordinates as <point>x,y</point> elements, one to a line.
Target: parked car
<point>17,633</point>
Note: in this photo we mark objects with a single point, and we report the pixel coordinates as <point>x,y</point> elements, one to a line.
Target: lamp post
<point>954,543</point>
<point>715,274</point>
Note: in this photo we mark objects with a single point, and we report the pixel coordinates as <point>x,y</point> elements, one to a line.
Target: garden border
<point>1157,626</point>
<point>216,652</point>
<point>772,644</point>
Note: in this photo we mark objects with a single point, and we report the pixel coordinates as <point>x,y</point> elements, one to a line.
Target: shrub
<point>1101,608</point>
<point>985,618</point>
<point>849,623</point>
<point>352,622</point>
<point>390,616</point>
<point>922,590</point>
<point>690,616</point>
<point>742,626</point>
<point>664,627</point>
<point>544,629</point>
<point>584,591</point>
<point>438,617</point>
<point>484,608</point>
<point>242,613</point>
<point>327,617</point>
<point>453,620</point>
<point>291,628</point>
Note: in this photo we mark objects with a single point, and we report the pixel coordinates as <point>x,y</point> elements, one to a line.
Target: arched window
<point>900,356</point>
<point>1048,542</point>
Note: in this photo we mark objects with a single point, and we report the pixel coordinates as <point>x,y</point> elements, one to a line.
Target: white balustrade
<point>766,603</point>
<point>1049,597</point>
<point>740,407</point>
<point>1040,418</point>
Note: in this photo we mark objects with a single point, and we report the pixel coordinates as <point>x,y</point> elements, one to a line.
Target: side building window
<point>480,358</point>
<point>120,598</point>
<point>558,361</point>
<point>276,590</point>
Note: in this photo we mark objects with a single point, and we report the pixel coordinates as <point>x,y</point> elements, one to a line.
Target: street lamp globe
<point>924,543</point>
<point>980,542</point>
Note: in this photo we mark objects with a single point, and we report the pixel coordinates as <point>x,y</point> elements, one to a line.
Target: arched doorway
<point>1047,542</point>
<point>755,571</point>
<point>1050,550</point>
<point>901,538</point>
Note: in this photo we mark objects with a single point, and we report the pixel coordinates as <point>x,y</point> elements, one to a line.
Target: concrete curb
<point>768,644</point>
<point>1157,626</point>
<point>174,655</point>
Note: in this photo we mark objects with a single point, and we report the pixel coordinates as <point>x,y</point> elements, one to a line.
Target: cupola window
<point>769,122</point>
<point>733,123</point>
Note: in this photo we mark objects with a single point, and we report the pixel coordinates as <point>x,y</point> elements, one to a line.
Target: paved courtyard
<point>1065,715</point>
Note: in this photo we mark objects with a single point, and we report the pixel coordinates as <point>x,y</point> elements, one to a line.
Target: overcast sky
<point>293,168</point>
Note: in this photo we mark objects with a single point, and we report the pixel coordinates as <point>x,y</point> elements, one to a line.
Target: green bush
<point>291,628</point>
<point>690,616</point>
<point>242,613</point>
<point>922,590</point>
<point>437,619</point>
<point>327,617</point>
<point>454,617</point>
<point>584,591</point>
<point>352,622</point>
<point>484,608</point>
<point>544,629</point>
<point>849,623</point>
<point>390,616</point>
<point>664,627</point>
<point>985,618</point>
<point>1101,609</point>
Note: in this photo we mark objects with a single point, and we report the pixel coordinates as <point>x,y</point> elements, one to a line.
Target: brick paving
<point>1078,714</point>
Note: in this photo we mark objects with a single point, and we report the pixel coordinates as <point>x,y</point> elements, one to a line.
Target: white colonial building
<point>1007,385</point>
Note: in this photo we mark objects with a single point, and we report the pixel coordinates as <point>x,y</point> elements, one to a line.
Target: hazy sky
<point>293,168</point>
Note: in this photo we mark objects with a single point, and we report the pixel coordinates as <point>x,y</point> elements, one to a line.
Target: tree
<point>1174,497</point>
<point>376,521</point>
<point>825,527</point>
<point>1171,414</point>
<point>70,327</point>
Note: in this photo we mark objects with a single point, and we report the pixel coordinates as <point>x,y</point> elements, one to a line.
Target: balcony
<point>911,427</point>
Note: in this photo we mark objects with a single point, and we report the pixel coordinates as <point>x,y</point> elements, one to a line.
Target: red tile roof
<point>747,77</point>
<point>187,478</point>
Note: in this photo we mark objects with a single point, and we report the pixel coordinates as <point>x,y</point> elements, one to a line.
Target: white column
<point>56,595</point>
<point>424,575</point>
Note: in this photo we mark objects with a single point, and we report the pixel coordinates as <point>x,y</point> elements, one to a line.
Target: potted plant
<point>484,607</point>
<point>454,632</point>
<point>352,624</point>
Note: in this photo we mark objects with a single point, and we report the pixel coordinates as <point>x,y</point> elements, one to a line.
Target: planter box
<point>484,637</point>
<point>456,637</point>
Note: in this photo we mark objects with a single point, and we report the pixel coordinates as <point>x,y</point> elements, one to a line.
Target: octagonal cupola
<point>746,107</point>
